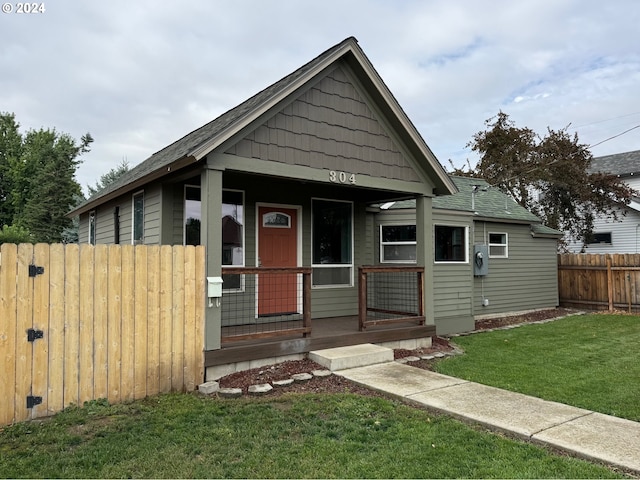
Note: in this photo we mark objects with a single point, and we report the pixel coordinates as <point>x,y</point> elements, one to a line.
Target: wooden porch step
<point>353,356</point>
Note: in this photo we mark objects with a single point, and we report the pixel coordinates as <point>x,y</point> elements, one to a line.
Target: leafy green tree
<point>109,177</point>
<point>548,175</point>
<point>37,178</point>
<point>10,150</point>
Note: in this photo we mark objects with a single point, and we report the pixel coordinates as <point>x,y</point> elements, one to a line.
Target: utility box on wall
<point>480,260</point>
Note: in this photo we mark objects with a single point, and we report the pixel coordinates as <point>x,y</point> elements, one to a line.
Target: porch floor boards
<point>325,333</point>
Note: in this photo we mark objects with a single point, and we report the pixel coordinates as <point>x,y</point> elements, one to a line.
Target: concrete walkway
<point>594,436</point>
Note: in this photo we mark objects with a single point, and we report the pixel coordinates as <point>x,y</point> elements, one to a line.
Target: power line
<point>615,136</point>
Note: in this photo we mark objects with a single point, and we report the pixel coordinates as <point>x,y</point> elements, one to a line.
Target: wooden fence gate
<point>83,322</point>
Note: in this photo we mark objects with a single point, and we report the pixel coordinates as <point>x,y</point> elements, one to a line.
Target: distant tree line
<point>38,186</point>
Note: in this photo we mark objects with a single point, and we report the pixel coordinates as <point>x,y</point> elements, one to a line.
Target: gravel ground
<point>336,384</point>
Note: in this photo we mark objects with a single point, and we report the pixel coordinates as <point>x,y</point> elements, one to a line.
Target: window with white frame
<point>332,243</point>
<point>450,243</point>
<point>397,243</point>
<point>92,227</point>
<point>137,226</point>
<point>192,215</point>
<point>498,245</point>
<point>232,237</point>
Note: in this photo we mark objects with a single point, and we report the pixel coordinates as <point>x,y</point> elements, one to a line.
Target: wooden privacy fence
<point>599,282</point>
<point>83,322</point>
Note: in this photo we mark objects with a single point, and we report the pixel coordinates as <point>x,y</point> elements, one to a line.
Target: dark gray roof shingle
<point>621,164</point>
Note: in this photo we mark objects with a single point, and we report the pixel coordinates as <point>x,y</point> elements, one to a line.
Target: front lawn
<point>588,361</point>
<point>292,436</point>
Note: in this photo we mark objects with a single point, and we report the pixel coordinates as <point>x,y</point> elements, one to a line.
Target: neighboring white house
<point>622,236</point>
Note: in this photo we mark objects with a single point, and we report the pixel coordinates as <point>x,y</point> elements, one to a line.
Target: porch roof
<point>194,146</point>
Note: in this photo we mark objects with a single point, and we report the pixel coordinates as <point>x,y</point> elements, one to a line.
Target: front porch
<point>390,306</point>
<point>325,333</point>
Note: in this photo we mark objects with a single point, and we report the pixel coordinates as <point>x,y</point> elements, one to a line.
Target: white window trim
<point>334,265</point>
<point>382,244</point>
<point>242,287</point>
<point>93,216</point>
<point>505,245</point>
<point>133,217</point>
<point>466,243</point>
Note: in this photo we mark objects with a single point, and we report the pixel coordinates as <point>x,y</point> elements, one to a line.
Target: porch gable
<point>331,124</point>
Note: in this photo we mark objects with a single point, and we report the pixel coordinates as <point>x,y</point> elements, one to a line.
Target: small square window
<point>398,243</point>
<point>498,245</point>
<point>450,243</point>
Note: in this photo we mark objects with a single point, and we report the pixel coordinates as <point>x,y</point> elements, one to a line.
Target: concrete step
<point>352,356</point>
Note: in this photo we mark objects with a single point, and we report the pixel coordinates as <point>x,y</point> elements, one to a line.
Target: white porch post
<point>211,237</point>
<point>424,254</point>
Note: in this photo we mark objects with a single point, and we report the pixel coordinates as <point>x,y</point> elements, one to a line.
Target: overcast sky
<point>139,75</point>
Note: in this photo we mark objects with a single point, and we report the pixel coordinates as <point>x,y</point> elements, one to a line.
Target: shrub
<point>15,234</point>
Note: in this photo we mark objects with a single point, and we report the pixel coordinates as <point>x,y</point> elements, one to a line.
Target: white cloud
<point>140,75</point>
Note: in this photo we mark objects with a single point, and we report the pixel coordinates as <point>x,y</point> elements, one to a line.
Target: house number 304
<point>342,177</point>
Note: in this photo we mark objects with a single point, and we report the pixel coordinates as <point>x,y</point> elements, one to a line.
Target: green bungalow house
<point>491,256</point>
<point>280,190</point>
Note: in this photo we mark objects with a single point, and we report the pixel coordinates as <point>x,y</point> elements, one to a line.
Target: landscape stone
<point>412,359</point>
<point>260,389</point>
<point>402,360</point>
<point>230,392</point>
<point>283,383</point>
<point>321,373</point>
<point>208,388</point>
<point>428,357</point>
<point>301,377</point>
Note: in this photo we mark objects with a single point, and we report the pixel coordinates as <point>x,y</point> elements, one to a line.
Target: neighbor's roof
<point>620,164</point>
<point>197,144</point>
<point>489,202</point>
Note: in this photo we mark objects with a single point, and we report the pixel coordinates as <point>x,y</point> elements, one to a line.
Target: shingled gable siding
<point>330,126</point>
<point>526,280</point>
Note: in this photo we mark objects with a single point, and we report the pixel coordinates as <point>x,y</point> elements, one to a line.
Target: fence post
<point>609,283</point>
<point>362,298</point>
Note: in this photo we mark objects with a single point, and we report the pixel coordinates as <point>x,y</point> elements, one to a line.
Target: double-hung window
<point>137,227</point>
<point>498,245</point>
<point>451,243</point>
<point>332,243</point>
<point>397,243</point>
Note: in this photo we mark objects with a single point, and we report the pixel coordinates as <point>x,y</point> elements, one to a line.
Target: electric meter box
<point>480,260</point>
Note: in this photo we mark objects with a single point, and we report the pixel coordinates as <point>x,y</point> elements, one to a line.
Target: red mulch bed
<point>336,384</point>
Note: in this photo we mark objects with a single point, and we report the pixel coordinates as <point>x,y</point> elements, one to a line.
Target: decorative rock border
<point>209,388</point>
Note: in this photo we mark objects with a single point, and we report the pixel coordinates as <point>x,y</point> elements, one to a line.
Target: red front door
<point>277,247</point>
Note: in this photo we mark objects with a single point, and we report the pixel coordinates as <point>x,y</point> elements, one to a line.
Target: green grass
<point>588,361</point>
<point>295,436</point>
